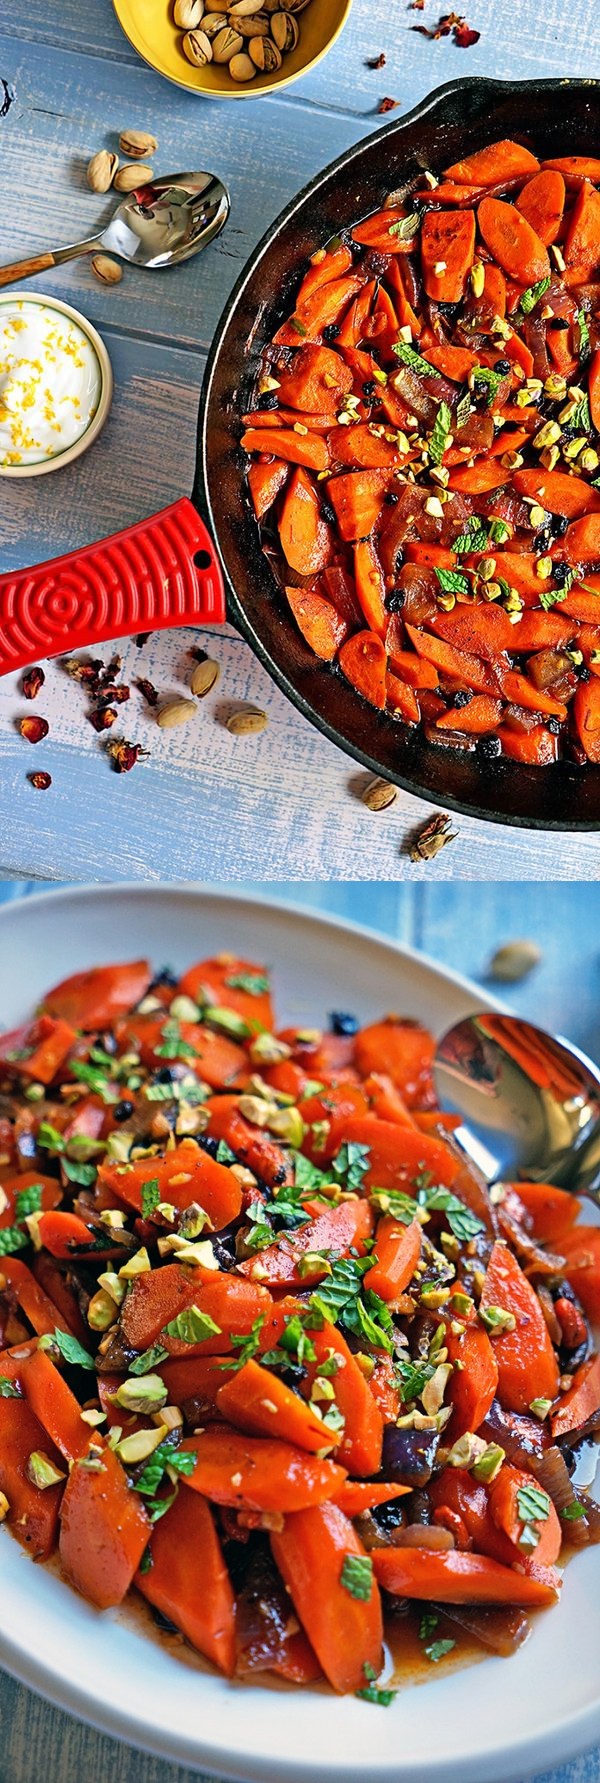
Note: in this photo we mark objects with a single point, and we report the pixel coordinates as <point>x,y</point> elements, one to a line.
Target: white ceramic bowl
<point>500,1721</point>
<point>91,432</point>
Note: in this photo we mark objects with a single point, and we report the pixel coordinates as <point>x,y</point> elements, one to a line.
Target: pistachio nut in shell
<point>129,178</point>
<point>188,13</point>
<point>197,47</point>
<point>243,9</point>
<point>265,54</point>
<point>242,69</point>
<point>137,143</point>
<point>107,270</point>
<point>101,171</point>
<point>226,44</point>
<point>248,719</point>
<point>175,712</point>
<point>285,31</point>
<point>256,26</point>
<point>204,677</point>
<point>212,23</point>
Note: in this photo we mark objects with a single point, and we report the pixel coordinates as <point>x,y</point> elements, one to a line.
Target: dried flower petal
<point>432,838</point>
<point>40,781</point>
<point>33,729</point>
<point>103,717</point>
<point>31,682</point>
<point>142,638</point>
<point>109,670</point>
<point>124,755</point>
<point>84,669</point>
<point>388,105</point>
<point>115,695</point>
<point>376,61</point>
<point>464,36</point>
<point>147,690</point>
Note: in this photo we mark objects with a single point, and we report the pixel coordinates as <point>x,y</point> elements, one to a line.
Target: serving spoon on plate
<point>532,1102</point>
<point>161,223</point>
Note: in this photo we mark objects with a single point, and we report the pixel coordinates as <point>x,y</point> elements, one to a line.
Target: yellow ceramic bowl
<point>151,30</point>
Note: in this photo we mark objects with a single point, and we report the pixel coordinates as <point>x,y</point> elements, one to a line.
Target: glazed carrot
<point>257,1401</point>
<point>340,1229</point>
<point>362,1436</point>
<point>41,1312</point>
<point>304,534</point>
<point>352,329</point>
<point>385,1100</point>
<point>370,586</point>
<point>32,1515</point>
<point>581,251</point>
<point>363,661</point>
<point>380,231</point>
<point>55,1406</point>
<point>325,1114</point>
<point>451,1577</point>
<point>338,587</point>
<point>188,1580</point>
<point>503,160</point>
<point>38,1051</point>
<point>62,1233</point>
<point>447,249</point>
<point>542,202</point>
<point>323,628</point>
<point>586,709</point>
<point>215,1058</point>
<point>61,1293</point>
<point>323,267</point>
<point>183,1175</point>
<point>296,448</point>
<point>92,1000</point>
<point>507,1514</point>
<point>363,450</point>
<point>454,362</point>
<point>594,388</point>
<point>231,983</point>
<point>345,1630</point>
<point>560,493</point>
<point>575,167</point>
<point>552,1211</point>
<point>196,1379</point>
<point>356,1496</point>
<point>412,669</point>
<point>581,1401</point>
<point>527,1367</point>
<point>494,290</point>
<point>51,1192</point>
<point>479,478</point>
<point>265,479</point>
<point>402,698</point>
<point>480,716</point>
<point>472,1386</point>
<point>423,551</point>
<point>252,1146</point>
<point>512,241</point>
<point>516,687</point>
<point>258,1473</point>
<point>482,630</point>
<point>398,1155</point>
<point>395,1257</point>
<point>103,1529</point>
<point>581,1249</point>
<point>321,309</point>
<point>458,665</point>
<point>404,1050</point>
<point>581,543</point>
<point>357,498</point>
<point>543,631</point>
<point>157,1297</point>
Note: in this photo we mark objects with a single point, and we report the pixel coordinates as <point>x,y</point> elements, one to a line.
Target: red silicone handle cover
<point>163,571</point>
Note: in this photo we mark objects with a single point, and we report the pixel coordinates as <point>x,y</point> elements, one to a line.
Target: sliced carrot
<point>252,1146</point>
<point>265,479</point>
<point>323,628</point>
<point>304,534</point>
<point>542,631</point>
<point>542,202</point>
<point>188,1580</point>
<point>32,1515</point>
<point>405,1051</point>
<point>316,382</point>
<point>416,671</point>
<point>560,493</point>
<point>580,1402</point>
<point>481,715</point>
<point>55,1405</point>
<point>345,1630</point>
<point>296,448</point>
<point>402,699</point>
<point>399,1154</point>
<point>363,661</point>
<point>447,249</point>
<point>362,449</point>
<point>185,1174</point>
<point>257,1401</point>
<point>103,1530</point>
<point>581,543</point>
<point>356,1496</point>
<point>341,1229</point>
<point>362,1438</point>
<point>473,1384</point>
<point>258,1473</point>
<point>536,748</point>
<point>94,999</point>
<point>325,265</point>
<point>479,478</point>
<point>512,241</point>
<point>426,552</point>
<point>38,1308</point>
<point>527,1366</point>
<point>552,1211</point>
<point>319,310</point>
<point>451,1577</point>
<point>51,1192</point>
<point>582,245</point>
<point>575,167</point>
<point>370,586</point>
<point>216,1059</point>
<point>395,1256</point>
<point>581,1249</point>
<point>38,1050</point>
<point>453,362</point>
<point>158,1296</point>
<point>62,1233</point>
<point>504,160</point>
<point>594,388</point>
<point>357,499</point>
<point>459,665</point>
<point>504,1505</point>
<point>222,982</point>
<point>522,692</point>
<point>379,231</point>
<point>483,630</point>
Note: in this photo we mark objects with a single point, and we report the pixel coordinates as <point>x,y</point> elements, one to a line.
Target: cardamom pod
<point>107,271</point>
<point>137,143</point>
<point>130,177</point>
<point>246,721</point>
<point>101,171</point>
<point>175,712</point>
<point>379,794</point>
<point>514,961</point>
<point>204,677</point>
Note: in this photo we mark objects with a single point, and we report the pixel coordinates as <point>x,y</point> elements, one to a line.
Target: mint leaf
<point>192,1326</point>
<point>224,1153</point>
<point>150,1197</point>
<point>533,1505</point>
<point>12,1239</point>
<point>149,1359</point>
<point>357,1576</point>
<point>351,1164</point>
<point>69,1347</point>
<point>413,360</point>
<point>374,1693</point>
<point>438,1650</point>
<point>406,227</point>
<point>440,435</point>
<point>254,983</point>
<point>8,1390</point>
<point>28,1200</point>
<point>451,582</point>
<point>531,296</point>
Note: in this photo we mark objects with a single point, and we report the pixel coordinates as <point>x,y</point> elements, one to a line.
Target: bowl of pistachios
<point>232,49</point>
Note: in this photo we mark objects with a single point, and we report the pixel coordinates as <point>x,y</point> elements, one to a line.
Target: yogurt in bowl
<point>55,384</point>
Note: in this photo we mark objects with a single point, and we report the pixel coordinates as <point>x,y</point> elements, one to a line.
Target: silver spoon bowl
<point>159,224</point>
<point>532,1102</point>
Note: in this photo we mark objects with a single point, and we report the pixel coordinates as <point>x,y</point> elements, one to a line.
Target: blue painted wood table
<point>461,927</point>
<point>205,804</point>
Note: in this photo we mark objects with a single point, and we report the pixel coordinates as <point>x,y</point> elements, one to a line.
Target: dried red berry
<point>33,729</point>
<point>32,680</point>
<point>388,104</point>
<point>40,781</point>
<point>124,755</point>
<point>103,717</point>
<point>116,695</point>
<point>148,692</point>
<point>464,36</point>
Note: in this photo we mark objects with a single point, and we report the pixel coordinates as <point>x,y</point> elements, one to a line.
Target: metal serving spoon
<point>158,224</point>
<point>532,1102</point>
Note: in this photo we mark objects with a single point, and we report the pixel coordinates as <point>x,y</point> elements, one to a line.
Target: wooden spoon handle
<point>22,269</point>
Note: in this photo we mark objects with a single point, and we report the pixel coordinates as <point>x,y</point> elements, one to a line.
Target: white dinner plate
<point>498,1721</point>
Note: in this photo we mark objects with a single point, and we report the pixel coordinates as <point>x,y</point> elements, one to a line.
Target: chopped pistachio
<point>113,1218</point>
<point>313,1263</point>
<point>496,1319</point>
<point>143,1393</point>
<point>93,1417</point>
<point>477,278</point>
<point>138,1264</point>
<point>432,1396</point>
<point>102,1311</point>
<point>466,1451</point>
<point>547,435</point>
<point>287,1124</point>
<point>131,1449</point>
<point>540,1407</point>
<point>266,1050</point>
<point>183,1009</point>
<point>487,1466</point>
<point>42,1472</point>
<point>543,569</point>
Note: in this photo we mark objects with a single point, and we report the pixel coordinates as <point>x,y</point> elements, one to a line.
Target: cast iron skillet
<point>165,570</point>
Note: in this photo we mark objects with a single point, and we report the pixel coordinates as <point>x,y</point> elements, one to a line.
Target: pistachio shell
<point>101,171</point>
<point>212,23</point>
<point>197,47</point>
<point>107,271</point>
<point>249,718</point>
<point>257,26</point>
<point>204,676</point>
<point>265,54</point>
<point>378,794</point>
<point>226,44</point>
<point>188,13</point>
<point>241,69</point>
<point>129,178</point>
<point>285,31</point>
<point>137,143</point>
<point>514,961</point>
<point>243,9</point>
<point>175,712</point>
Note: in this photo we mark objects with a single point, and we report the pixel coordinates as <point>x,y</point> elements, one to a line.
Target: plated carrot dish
<point>271,1354</point>
<point>424,456</point>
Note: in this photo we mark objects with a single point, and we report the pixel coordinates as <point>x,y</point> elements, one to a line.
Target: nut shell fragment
<point>130,177</point>
<point>137,143</point>
<point>378,794</point>
<point>514,961</point>
<point>204,677</point>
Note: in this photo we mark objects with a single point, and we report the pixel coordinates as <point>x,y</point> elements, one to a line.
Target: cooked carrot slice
<point>258,1472</point>
<point>586,708</point>
<point>503,160</point>
<point>536,748</point>
<point>575,167</point>
<point>560,493</point>
<point>321,309</point>
<point>484,630</point>
<point>542,202</point>
<point>324,267</point>
<point>472,1385</point>
<point>257,1401</point>
<point>459,665</point>
<point>447,249</point>
<point>459,1578</point>
<point>345,1630</point>
<point>454,362</point>
<point>94,999</point>
<point>581,543</point>
<point>582,1399</point>
<point>295,448</point>
<point>370,587</point>
<point>504,1505</point>
<point>316,381</point>
<point>402,698</point>
<point>395,1256</point>
<point>582,245</point>
<point>522,692</point>
<point>512,241</point>
<point>265,479</point>
<point>323,628</point>
<point>379,231</point>
<point>188,1580</point>
<point>304,534</point>
<point>363,662</point>
<point>357,498</point>
<point>360,447</point>
<point>481,715</point>
<point>526,1361</point>
<point>478,479</point>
